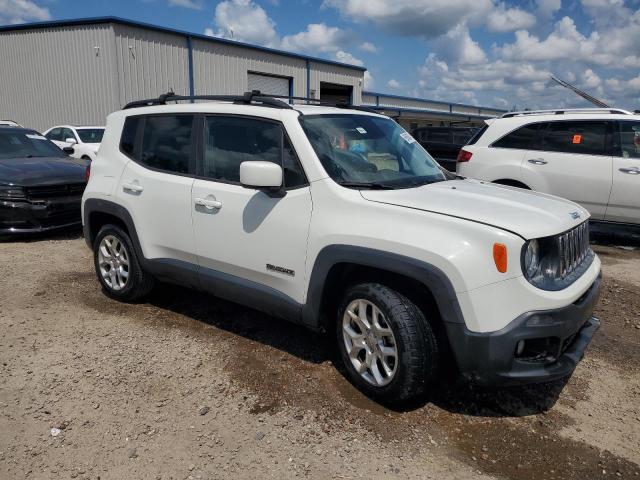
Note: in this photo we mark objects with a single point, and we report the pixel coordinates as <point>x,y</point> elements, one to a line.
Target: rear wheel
<point>117,265</point>
<point>388,348</point>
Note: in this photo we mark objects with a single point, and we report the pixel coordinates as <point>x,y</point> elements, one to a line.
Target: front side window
<point>630,139</point>
<point>68,133</point>
<point>55,134</point>
<point>521,139</point>
<point>229,141</point>
<point>364,151</point>
<point>90,135</point>
<point>587,138</point>
<point>166,142</point>
<point>27,144</point>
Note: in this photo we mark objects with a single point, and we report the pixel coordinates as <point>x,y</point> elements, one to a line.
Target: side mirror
<point>262,176</point>
<point>69,150</point>
<point>72,141</point>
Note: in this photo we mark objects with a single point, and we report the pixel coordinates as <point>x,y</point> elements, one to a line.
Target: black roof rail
<point>254,96</point>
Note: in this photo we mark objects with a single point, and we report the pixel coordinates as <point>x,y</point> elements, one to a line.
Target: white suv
<point>85,141</point>
<point>590,156</point>
<point>337,219</point>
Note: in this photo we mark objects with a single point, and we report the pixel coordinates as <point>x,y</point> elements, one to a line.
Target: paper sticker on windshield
<point>407,137</point>
<point>577,139</point>
<point>35,137</point>
<point>361,130</point>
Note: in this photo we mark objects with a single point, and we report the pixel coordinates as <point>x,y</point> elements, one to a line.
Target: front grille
<point>573,247</point>
<point>46,192</point>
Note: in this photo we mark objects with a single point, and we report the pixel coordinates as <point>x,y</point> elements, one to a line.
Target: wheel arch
<point>337,266</point>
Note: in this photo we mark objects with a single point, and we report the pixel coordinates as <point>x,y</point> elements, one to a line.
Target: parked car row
<point>590,156</point>
<point>444,143</point>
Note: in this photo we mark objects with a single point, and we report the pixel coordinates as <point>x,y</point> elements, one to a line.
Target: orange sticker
<point>577,139</point>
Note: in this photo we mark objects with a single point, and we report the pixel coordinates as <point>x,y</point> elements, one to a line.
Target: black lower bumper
<point>496,359</point>
<point>42,216</point>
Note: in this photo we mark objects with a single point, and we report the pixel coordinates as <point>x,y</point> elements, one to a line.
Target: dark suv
<point>444,143</point>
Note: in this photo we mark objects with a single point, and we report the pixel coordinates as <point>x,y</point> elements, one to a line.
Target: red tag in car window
<point>577,139</point>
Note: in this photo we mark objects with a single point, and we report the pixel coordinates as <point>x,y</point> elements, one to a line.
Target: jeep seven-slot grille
<point>46,192</point>
<point>573,247</point>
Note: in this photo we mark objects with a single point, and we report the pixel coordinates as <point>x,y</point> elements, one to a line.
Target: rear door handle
<point>132,187</point>
<point>207,203</point>
<point>538,161</point>
<point>631,171</point>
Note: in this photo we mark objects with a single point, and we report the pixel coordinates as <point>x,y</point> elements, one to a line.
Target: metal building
<point>79,71</point>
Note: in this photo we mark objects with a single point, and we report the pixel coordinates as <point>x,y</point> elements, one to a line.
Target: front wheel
<point>387,346</point>
<point>118,267</point>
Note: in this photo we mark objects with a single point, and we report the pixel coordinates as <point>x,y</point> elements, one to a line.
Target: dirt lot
<point>187,386</point>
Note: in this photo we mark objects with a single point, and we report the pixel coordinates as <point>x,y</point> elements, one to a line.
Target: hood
<point>28,172</point>
<point>525,213</point>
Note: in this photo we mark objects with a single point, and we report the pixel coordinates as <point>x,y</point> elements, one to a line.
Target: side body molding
<point>430,276</point>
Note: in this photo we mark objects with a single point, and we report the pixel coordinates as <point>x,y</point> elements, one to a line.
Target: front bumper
<point>41,216</point>
<point>492,358</point>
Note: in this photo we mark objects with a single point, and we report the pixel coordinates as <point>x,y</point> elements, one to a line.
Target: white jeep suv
<point>337,219</point>
<point>85,141</point>
<point>590,156</point>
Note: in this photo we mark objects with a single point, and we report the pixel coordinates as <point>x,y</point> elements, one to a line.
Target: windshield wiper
<point>368,185</point>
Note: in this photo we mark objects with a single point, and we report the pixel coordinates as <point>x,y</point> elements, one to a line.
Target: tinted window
<point>575,137</point>
<point>477,134</point>
<point>55,134</point>
<point>520,138</point>
<point>630,139</point>
<point>67,133</point>
<point>229,141</point>
<point>26,144</point>
<point>90,135</point>
<point>128,138</point>
<point>293,174</point>
<point>166,142</point>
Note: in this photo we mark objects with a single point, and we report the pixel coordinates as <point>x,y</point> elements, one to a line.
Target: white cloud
<point>457,46</point>
<point>21,11</point>
<point>193,4</point>
<point>369,81</point>
<point>317,38</point>
<point>246,21</point>
<point>368,47</point>
<point>547,8</point>
<point>393,83</point>
<point>427,18</point>
<point>504,19</point>
<point>346,57</point>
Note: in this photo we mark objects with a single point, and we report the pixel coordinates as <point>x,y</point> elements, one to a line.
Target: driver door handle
<point>206,203</point>
<point>538,161</point>
<point>132,187</point>
<point>631,171</point>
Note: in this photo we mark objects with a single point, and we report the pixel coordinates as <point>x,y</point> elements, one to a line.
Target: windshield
<point>90,135</point>
<point>362,151</point>
<point>21,144</point>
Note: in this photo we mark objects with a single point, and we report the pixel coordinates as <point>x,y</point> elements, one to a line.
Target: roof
<point>184,33</point>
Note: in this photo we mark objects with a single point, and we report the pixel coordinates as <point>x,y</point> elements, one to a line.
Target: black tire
<point>139,283</point>
<point>416,344</point>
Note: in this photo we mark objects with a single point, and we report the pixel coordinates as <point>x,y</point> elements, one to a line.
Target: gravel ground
<point>187,386</point>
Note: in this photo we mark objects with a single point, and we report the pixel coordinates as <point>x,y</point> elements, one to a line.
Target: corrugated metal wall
<point>58,75</point>
<point>149,63</point>
<point>337,74</point>
<point>223,69</point>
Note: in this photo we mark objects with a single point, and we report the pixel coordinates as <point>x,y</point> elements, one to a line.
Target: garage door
<point>269,85</point>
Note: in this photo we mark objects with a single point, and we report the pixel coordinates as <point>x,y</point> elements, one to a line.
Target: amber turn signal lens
<point>500,256</point>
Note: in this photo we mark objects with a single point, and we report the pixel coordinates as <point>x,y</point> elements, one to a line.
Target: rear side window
<point>129,133</point>
<point>166,142</point>
<point>476,136</point>
<point>518,139</point>
<point>229,141</point>
<point>587,138</point>
<point>630,139</point>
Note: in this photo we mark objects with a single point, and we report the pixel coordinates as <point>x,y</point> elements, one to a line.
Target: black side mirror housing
<point>68,150</point>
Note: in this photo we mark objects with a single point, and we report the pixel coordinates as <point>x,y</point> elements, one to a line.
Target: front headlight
<point>553,263</point>
<point>11,192</point>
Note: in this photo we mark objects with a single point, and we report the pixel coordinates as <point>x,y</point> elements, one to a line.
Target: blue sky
<point>485,52</point>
